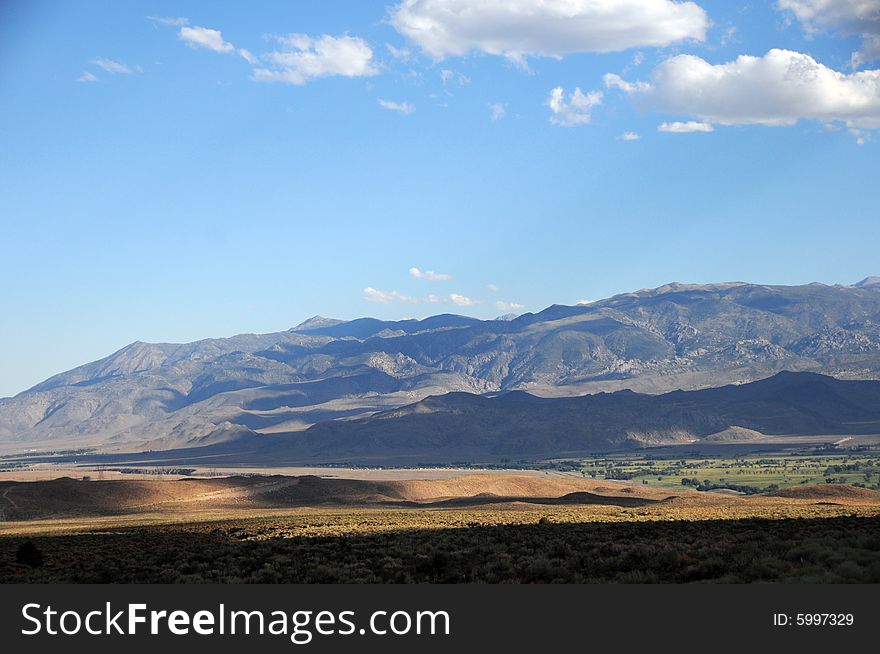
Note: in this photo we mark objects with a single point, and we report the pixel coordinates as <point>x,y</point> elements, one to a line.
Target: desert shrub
<point>29,554</point>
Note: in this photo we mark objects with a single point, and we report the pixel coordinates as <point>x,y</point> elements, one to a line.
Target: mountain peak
<point>316,322</point>
<point>868,281</point>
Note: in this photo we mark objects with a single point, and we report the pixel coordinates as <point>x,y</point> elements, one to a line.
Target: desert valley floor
<point>444,526</point>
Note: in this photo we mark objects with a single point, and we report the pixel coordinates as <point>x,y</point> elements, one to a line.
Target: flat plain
<point>490,527</point>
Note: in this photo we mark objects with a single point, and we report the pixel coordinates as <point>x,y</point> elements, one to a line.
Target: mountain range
<point>676,337</point>
<point>514,426</point>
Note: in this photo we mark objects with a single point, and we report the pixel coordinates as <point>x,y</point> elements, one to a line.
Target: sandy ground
<point>321,506</point>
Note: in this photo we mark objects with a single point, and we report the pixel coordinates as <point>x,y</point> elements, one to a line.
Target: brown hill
<point>734,434</point>
<point>70,497</point>
<point>831,493</point>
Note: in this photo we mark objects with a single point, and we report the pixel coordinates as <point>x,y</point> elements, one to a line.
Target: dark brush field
<point>483,529</point>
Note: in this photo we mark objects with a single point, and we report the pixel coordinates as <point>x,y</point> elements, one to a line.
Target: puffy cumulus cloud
<point>387,297</point>
<point>685,127</point>
<point>429,275</point>
<point>404,108</point>
<point>861,17</point>
<point>779,88</point>
<point>517,29</point>
<point>210,39</point>
<point>303,58</point>
<point>576,110</point>
<point>629,136</point>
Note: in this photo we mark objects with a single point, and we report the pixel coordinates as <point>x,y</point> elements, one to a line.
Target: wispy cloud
<point>204,37</point>
<point>449,76</point>
<point>848,17</point>
<point>429,275</point>
<point>401,54</point>
<point>678,127</point>
<point>210,39</point>
<point>387,297</point>
<point>404,108</point>
<point>378,296</point>
<point>168,20</point>
<point>112,66</point>
<point>492,287</point>
<point>461,300</point>
<point>508,307</point>
<point>497,111</point>
<point>87,77</point>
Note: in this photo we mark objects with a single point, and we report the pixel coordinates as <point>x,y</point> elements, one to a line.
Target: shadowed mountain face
<point>460,426</point>
<point>161,396</point>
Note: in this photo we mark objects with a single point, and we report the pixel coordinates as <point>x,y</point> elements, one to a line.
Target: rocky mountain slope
<point>160,396</point>
<point>462,427</point>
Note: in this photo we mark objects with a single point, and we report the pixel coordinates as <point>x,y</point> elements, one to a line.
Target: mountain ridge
<point>675,336</point>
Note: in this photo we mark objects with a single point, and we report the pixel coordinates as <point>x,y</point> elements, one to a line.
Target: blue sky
<point>169,180</point>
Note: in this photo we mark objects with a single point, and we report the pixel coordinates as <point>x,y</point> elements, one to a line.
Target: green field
<point>749,473</point>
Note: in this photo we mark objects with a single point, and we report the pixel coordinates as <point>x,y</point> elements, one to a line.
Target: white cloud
<point>677,127</point>
<point>629,136</point>
<point>303,58</point>
<point>404,108</point>
<point>583,303</point>
<point>391,297</point>
<point>497,111</point>
<point>860,17</point>
<point>779,88</point>
<point>507,307</point>
<point>852,16</point>
<point>203,37</point>
<point>870,51</point>
<point>613,81</point>
<point>87,77</point>
<point>450,76</point>
<point>575,110</point>
<point>461,300</point>
<point>387,297</point>
<point>403,54</point>
<point>521,28</point>
<point>168,20</point>
<point>492,288</point>
<point>247,56</point>
<point>429,275</point>
<point>112,66</point>
<point>860,136</point>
